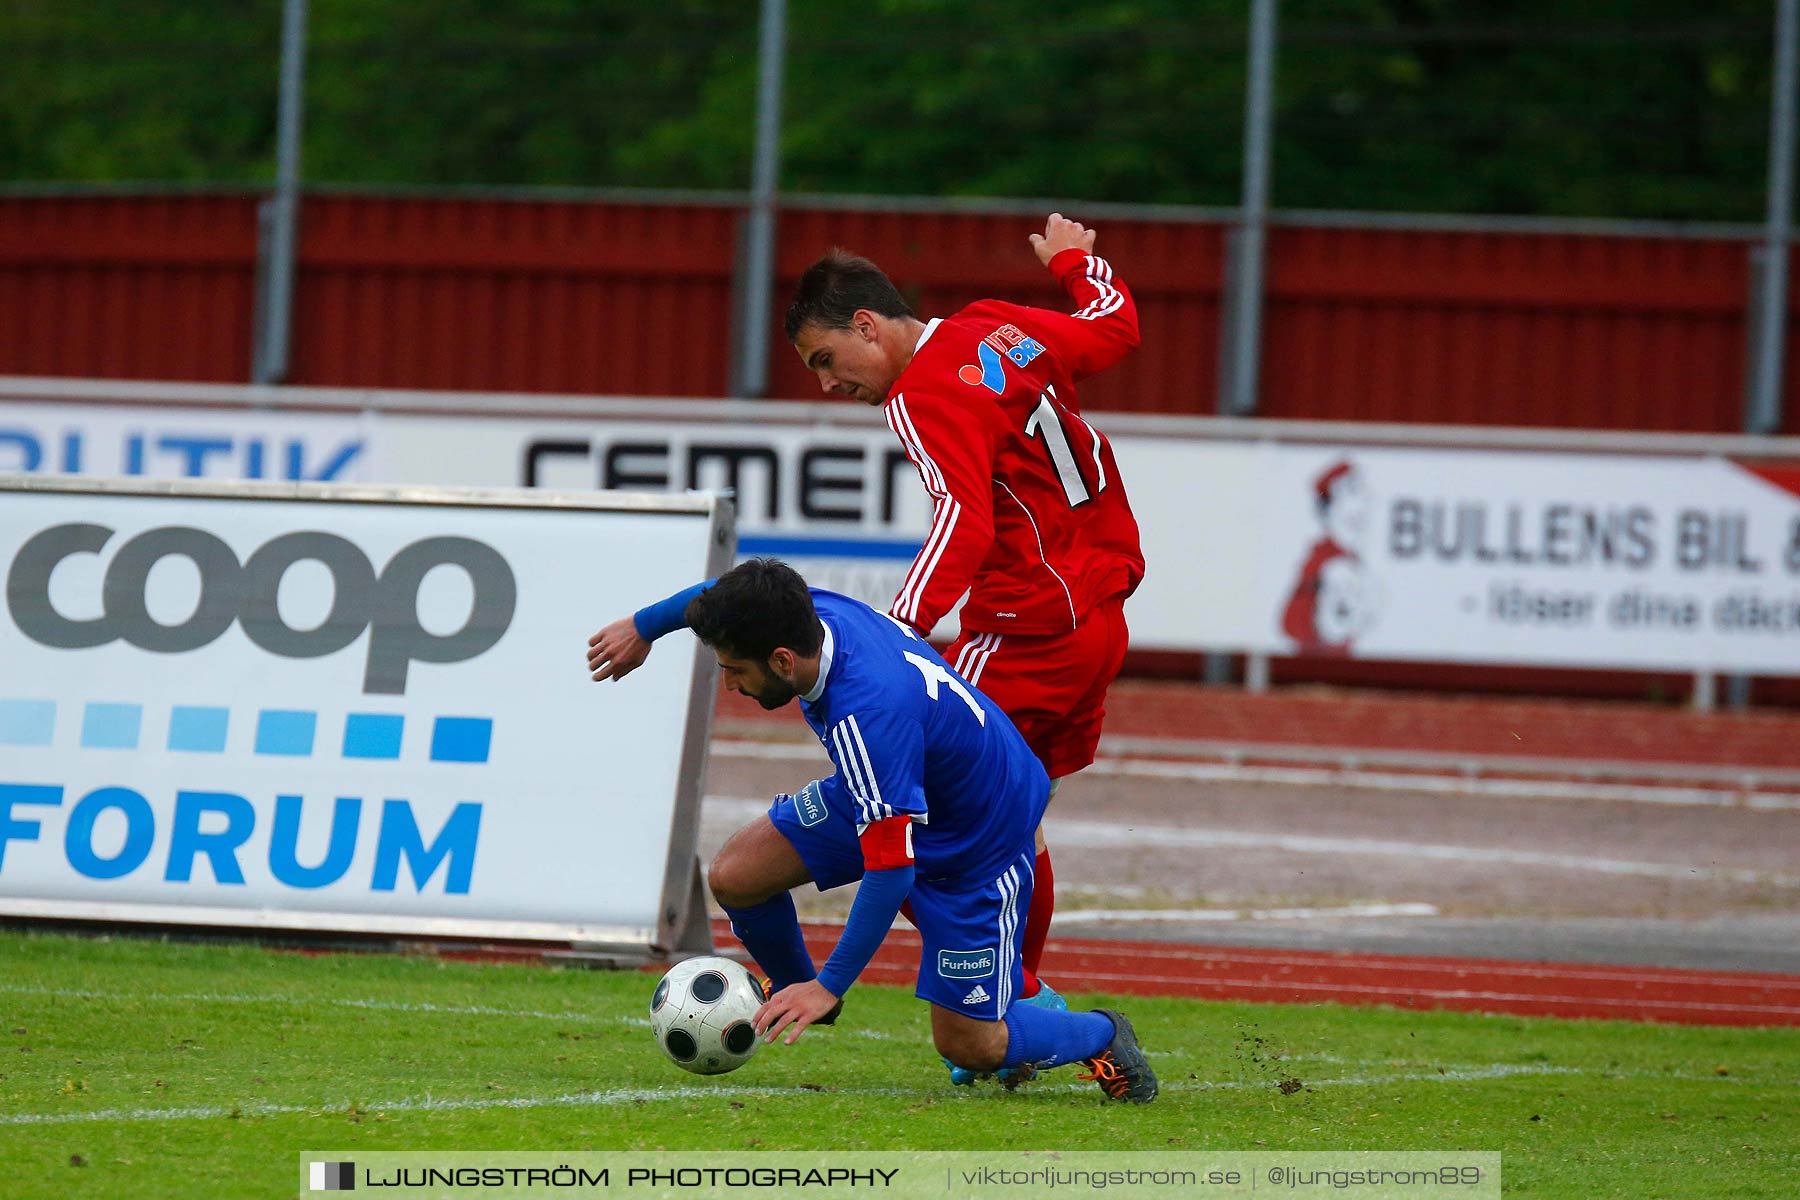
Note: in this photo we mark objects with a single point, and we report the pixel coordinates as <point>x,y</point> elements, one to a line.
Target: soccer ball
<point>701,1013</point>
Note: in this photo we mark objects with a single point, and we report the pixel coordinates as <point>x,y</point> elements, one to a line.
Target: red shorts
<point>1052,686</point>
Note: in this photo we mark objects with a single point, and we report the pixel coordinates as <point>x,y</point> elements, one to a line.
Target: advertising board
<point>347,707</point>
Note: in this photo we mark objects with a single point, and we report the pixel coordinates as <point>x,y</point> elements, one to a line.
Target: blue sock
<point>1048,1037</point>
<point>771,933</point>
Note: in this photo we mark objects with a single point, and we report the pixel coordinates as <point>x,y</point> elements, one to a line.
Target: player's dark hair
<point>756,608</point>
<point>832,289</point>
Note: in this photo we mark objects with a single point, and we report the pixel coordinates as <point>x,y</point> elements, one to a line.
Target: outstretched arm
<point>621,648</point>
<point>1103,328</point>
<point>880,758</point>
<point>872,913</point>
<point>1061,234</point>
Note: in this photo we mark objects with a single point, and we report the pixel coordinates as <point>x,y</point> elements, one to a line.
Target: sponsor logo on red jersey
<point>988,371</point>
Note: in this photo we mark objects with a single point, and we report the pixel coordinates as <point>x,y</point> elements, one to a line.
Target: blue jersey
<point>910,737</point>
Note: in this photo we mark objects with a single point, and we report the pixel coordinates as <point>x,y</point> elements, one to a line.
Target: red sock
<point>1037,921</point>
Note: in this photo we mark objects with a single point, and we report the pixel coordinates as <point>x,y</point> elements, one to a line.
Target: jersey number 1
<point>1046,422</point>
<point>935,674</point>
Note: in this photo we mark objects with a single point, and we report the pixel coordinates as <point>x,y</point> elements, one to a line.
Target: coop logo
<point>966,964</point>
<point>333,1176</point>
<point>988,371</point>
<point>385,605</point>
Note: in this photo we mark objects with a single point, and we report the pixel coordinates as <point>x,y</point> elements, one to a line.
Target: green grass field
<point>132,1068</point>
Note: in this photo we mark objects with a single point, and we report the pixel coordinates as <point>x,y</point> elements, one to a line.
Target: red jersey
<point>1029,515</point>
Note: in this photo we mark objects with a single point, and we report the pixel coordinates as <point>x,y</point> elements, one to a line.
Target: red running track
<point>1677,996</point>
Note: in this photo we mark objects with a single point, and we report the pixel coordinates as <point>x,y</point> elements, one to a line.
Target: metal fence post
<point>1763,381</point>
<point>1706,692</point>
<point>1241,288</point>
<point>756,283</point>
<point>1768,311</point>
<point>278,220</point>
<point>1240,331</point>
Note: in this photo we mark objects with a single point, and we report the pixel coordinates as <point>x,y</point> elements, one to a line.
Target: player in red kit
<point>1030,517</point>
<point>1029,514</point>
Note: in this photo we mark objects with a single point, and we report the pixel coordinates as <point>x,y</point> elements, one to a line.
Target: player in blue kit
<point>936,797</point>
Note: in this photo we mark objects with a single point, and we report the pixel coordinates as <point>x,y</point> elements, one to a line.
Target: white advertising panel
<point>839,500</point>
<point>1547,559</point>
<point>1201,539</point>
<point>347,708</point>
<point>837,497</point>
<point>177,442</point>
<point>1254,542</point>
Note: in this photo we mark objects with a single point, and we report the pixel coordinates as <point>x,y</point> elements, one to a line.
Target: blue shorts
<point>825,839</point>
<point>969,961</point>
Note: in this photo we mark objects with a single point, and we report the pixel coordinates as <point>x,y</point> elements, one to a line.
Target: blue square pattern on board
<point>373,735</point>
<point>285,731</point>
<point>111,726</point>
<point>461,739</point>
<point>27,722</point>
<point>198,729</point>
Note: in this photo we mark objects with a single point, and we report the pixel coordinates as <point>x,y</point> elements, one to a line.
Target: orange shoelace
<point>1112,1081</point>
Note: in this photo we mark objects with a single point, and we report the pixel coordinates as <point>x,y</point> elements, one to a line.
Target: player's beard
<point>775,692</point>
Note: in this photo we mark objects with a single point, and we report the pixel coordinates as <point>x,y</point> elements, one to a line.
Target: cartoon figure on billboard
<point>1335,599</point>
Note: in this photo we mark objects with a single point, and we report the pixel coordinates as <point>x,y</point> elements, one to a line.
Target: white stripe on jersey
<point>900,421</point>
<point>876,804</point>
<point>1099,273</point>
<point>912,592</point>
<point>945,512</point>
<point>852,769</point>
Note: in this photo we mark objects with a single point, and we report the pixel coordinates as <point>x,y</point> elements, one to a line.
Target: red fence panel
<point>1479,328</point>
<point>1472,326</point>
<point>946,260</point>
<point>128,287</point>
<point>514,295</point>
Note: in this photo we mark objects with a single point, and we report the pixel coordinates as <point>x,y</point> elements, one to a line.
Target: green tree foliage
<point>1651,108</point>
<point>145,89</point>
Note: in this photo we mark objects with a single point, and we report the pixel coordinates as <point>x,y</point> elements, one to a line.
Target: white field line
<point>1387,781</point>
<point>1100,833</point>
<point>526,1014</point>
<point>463,1010</point>
<point>620,1096</point>
<point>470,1010</point>
<point>1146,951</point>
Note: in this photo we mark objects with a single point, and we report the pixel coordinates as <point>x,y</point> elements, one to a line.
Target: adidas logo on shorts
<point>978,996</point>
